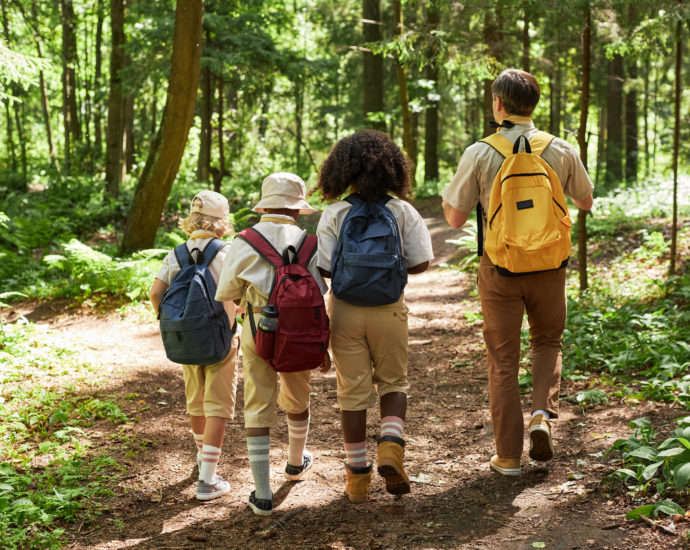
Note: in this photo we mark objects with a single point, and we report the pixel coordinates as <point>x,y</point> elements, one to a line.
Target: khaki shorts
<point>211,389</point>
<point>261,394</point>
<point>369,346</point>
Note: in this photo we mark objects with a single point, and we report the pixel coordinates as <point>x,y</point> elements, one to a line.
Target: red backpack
<point>301,336</point>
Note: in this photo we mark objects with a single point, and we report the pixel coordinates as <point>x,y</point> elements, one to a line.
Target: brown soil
<point>456,501</point>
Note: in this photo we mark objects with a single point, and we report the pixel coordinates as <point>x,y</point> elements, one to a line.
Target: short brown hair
<point>518,90</point>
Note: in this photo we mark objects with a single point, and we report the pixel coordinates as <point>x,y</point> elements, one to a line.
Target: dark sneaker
<point>208,491</point>
<point>260,506</point>
<point>294,473</point>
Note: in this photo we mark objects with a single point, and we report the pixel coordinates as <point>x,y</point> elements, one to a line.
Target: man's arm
<point>455,218</point>
<point>584,204</point>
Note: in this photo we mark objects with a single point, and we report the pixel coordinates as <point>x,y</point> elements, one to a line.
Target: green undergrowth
<point>50,476</point>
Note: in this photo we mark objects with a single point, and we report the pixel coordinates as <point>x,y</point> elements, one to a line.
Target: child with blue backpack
<point>368,243</point>
<point>210,389</point>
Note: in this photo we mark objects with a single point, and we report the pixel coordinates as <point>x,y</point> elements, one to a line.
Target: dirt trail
<point>456,502</point>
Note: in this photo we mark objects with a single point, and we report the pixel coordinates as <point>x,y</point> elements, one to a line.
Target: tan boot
<point>390,465</point>
<point>358,481</point>
<point>540,443</point>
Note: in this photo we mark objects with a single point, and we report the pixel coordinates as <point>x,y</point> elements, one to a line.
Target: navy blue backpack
<point>368,267</point>
<point>194,325</point>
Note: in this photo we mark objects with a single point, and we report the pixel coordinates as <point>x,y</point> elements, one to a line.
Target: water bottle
<point>266,335</point>
<point>268,322</point>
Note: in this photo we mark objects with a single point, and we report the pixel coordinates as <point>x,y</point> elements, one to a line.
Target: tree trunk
<point>219,173</point>
<point>373,65</point>
<point>163,162</point>
<point>128,139</point>
<point>493,38</point>
<point>20,137</point>
<point>202,171</point>
<point>299,108</point>
<point>431,113</point>
<point>70,109</point>
<point>614,123</point>
<point>8,112</point>
<point>676,145</point>
<point>98,61</point>
<point>601,146</point>
<point>582,142</point>
<point>631,126</point>
<point>525,40</point>
<point>408,139</point>
<point>116,101</point>
<point>645,115</point>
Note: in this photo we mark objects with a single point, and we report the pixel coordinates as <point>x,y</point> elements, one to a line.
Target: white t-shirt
<point>198,239</point>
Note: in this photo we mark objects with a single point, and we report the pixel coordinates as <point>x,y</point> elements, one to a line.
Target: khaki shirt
<point>198,239</point>
<point>247,276</point>
<point>480,163</point>
<point>414,234</point>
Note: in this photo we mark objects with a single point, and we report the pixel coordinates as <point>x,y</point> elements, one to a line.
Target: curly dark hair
<point>369,162</point>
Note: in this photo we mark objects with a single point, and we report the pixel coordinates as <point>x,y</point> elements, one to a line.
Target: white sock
<point>540,411</point>
<point>259,449</point>
<point>210,456</point>
<point>199,441</point>
<point>297,440</point>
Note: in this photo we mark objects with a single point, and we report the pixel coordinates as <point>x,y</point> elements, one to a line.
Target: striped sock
<point>210,456</point>
<point>199,441</point>
<point>297,440</point>
<point>259,449</point>
<point>392,425</point>
<point>540,411</point>
<point>356,454</point>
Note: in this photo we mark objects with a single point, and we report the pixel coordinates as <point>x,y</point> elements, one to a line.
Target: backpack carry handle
<point>516,146</point>
<point>286,255</point>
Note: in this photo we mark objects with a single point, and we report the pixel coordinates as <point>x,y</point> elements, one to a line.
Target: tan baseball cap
<point>210,203</point>
<point>283,190</point>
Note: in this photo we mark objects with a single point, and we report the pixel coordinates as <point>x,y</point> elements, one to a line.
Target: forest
<point>115,113</point>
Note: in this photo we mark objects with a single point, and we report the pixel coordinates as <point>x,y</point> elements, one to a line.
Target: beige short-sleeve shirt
<point>414,234</point>
<point>248,277</point>
<point>480,163</point>
<point>198,239</point>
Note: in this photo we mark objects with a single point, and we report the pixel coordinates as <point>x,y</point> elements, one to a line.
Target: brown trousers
<point>504,301</point>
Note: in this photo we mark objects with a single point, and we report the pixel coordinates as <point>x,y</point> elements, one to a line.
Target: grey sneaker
<point>208,491</point>
<point>294,473</point>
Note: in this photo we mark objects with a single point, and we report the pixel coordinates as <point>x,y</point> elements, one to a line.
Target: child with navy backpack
<point>210,389</point>
<point>276,244</point>
<point>368,243</point>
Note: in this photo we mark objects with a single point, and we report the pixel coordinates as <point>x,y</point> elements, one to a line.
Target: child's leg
<point>258,447</point>
<point>393,409</point>
<point>293,398</point>
<point>298,428</point>
<point>210,452</point>
<point>354,435</point>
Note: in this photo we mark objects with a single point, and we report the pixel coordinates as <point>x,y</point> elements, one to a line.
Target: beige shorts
<point>261,393</point>
<point>211,389</point>
<point>369,346</point>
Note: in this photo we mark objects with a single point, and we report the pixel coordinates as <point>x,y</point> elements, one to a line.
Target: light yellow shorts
<point>211,389</point>
<point>261,394</point>
<point>369,346</point>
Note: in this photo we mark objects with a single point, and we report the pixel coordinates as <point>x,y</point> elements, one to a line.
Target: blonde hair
<point>197,220</point>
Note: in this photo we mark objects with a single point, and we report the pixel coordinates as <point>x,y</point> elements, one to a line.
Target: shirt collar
<point>201,234</point>
<point>278,218</point>
<point>519,121</point>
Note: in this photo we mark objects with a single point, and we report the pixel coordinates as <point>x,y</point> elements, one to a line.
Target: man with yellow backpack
<point>517,179</point>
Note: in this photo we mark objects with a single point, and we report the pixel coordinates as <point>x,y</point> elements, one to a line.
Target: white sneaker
<point>208,491</point>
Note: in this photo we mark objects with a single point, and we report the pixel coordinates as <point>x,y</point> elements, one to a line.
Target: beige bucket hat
<point>210,203</point>
<point>283,190</point>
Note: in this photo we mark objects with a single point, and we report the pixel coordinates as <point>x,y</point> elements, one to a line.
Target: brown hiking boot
<point>390,465</point>
<point>540,444</point>
<point>358,481</point>
<point>506,466</point>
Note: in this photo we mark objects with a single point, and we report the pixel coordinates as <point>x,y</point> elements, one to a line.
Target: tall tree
<point>631,124</point>
<point>116,101</point>
<point>582,140</point>
<point>373,64</point>
<point>493,38</point>
<point>204,162</point>
<point>70,110</point>
<point>676,139</point>
<point>431,114</point>
<point>614,122</point>
<point>163,162</point>
<point>408,138</point>
<point>98,62</point>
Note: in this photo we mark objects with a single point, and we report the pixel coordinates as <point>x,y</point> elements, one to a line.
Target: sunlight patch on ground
<point>116,544</point>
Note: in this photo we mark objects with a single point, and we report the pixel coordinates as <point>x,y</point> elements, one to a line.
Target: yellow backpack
<point>527,222</point>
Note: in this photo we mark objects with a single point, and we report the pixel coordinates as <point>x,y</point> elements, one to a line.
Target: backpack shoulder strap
<point>261,244</point>
<point>182,255</point>
<point>500,143</point>
<point>212,248</point>
<point>353,199</point>
<point>306,250</point>
<point>540,141</point>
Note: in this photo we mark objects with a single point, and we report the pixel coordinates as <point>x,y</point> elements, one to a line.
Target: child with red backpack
<point>210,383</point>
<point>368,243</point>
<point>285,333</point>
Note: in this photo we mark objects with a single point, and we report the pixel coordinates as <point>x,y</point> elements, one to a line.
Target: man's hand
<point>326,365</point>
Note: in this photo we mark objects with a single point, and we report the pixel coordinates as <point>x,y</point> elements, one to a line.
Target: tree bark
<point>373,65</point>
<point>70,109</point>
<point>8,112</point>
<point>582,142</point>
<point>163,162</point>
<point>676,144</point>
<point>202,171</point>
<point>431,113</point>
<point>493,38</point>
<point>98,61</point>
<point>631,125</point>
<point>116,101</point>
<point>525,39</point>
<point>614,123</point>
<point>220,172</point>
<point>645,115</point>
<point>408,138</point>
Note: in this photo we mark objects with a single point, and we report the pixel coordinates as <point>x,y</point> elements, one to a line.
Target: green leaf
<point>671,452</point>
<point>649,471</point>
<point>681,476</point>
<point>644,452</point>
<point>668,507</point>
<point>644,510</point>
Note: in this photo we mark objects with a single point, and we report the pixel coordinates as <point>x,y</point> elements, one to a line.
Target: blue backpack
<point>194,325</point>
<point>368,267</point>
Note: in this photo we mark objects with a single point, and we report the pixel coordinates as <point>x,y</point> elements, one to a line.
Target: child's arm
<point>419,268</point>
<point>156,293</point>
<point>231,310</point>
